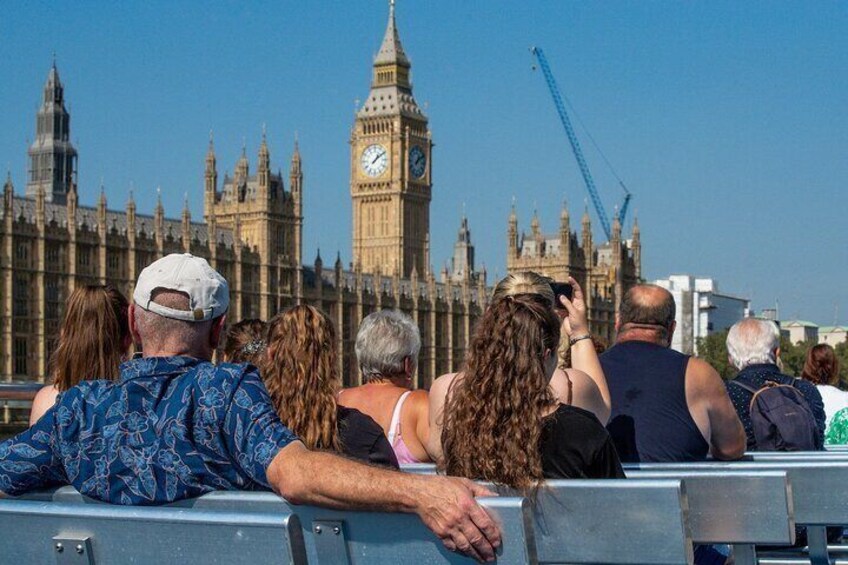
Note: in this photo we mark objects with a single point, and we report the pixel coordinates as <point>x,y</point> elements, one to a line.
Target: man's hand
<point>448,508</point>
<point>446,505</point>
<point>575,322</point>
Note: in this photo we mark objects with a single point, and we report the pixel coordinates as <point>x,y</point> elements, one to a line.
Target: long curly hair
<point>821,366</point>
<point>301,375</point>
<point>493,415</point>
<point>93,337</point>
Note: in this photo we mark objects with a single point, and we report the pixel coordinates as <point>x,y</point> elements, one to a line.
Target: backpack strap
<point>750,389</point>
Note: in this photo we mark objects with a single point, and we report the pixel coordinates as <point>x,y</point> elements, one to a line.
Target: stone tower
<point>390,177</point>
<point>52,158</point>
<point>462,263</point>
<point>264,218</point>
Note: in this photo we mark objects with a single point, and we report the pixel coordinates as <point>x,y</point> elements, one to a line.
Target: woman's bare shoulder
<point>580,379</point>
<point>584,392</point>
<point>443,383</point>
<point>43,401</point>
<point>418,395</point>
<point>47,395</point>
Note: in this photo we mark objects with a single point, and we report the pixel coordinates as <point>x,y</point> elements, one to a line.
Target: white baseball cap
<point>207,290</point>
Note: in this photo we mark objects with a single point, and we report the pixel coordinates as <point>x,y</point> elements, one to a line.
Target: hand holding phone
<point>561,289</point>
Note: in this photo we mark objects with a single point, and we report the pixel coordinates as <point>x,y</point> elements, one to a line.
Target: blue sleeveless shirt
<point>650,420</point>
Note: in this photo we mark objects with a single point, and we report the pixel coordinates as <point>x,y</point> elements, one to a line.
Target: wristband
<point>574,340</point>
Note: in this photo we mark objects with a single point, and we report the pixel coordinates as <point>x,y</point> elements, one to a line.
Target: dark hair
<point>93,337</point>
<point>245,342</point>
<point>647,305</point>
<point>821,366</point>
<point>493,416</point>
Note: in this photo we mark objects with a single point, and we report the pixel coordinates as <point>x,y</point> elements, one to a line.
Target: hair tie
<point>253,347</point>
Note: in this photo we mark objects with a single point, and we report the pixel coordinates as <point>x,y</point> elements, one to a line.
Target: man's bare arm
<point>727,436</point>
<point>445,504</point>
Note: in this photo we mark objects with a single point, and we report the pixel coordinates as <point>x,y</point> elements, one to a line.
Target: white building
<point>799,331</point>
<point>701,309</point>
<point>833,335</point>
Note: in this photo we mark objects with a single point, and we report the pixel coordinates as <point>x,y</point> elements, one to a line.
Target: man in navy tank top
<point>666,406</point>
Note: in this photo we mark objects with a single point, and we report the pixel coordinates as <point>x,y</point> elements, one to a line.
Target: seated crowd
<point>533,401</point>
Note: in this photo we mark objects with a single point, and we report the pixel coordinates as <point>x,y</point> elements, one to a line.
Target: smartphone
<point>561,289</point>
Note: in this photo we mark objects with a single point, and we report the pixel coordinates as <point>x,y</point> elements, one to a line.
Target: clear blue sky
<point>727,120</point>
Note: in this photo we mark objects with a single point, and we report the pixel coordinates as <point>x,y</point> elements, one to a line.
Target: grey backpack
<point>781,418</point>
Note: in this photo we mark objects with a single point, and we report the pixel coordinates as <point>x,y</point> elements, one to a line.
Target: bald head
<point>647,307</point>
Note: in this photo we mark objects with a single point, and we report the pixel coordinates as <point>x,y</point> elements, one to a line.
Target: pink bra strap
<point>394,425</point>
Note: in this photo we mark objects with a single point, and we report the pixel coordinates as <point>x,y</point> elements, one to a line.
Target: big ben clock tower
<point>390,175</point>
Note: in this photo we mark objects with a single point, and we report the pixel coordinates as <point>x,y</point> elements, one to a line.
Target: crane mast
<point>575,147</point>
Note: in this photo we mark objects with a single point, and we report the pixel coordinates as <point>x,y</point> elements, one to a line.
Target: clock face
<point>374,160</point>
<point>417,162</point>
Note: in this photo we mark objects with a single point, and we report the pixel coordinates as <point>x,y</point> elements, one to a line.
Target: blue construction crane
<point>575,147</point>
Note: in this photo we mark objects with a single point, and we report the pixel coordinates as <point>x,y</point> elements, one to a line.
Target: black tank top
<point>650,420</point>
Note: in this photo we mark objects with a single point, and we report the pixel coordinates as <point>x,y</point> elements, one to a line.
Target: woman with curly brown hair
<point>582,382</point>
<point>502,421</point>
<point>94,339</point>
<point>300,371</point>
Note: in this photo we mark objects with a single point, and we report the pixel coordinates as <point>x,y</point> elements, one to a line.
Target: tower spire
<point>616,226</point>
<point>264,155</point>
<point>462,263</point>
<point>295,160</point>
<point>391,50</point>
<point>391,71</point>
<point>53,159</point>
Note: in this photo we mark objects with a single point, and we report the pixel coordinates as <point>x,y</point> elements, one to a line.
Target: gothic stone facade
<point>252,234</point>
<point>604,272</point>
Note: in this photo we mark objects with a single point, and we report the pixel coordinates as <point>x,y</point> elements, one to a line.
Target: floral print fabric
<point>171,428</point>
<point>837,429</point>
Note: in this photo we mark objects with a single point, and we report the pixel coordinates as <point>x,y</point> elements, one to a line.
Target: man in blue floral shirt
<point>176,426</point>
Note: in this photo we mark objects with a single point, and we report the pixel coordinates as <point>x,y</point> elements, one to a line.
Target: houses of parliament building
<point>251,233</point>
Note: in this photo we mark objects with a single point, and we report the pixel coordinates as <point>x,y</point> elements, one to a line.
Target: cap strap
<point>195,315</point>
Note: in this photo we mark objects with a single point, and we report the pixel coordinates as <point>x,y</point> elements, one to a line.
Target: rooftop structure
<point>701,309</point>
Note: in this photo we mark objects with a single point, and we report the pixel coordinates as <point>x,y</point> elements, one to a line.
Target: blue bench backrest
<point>606,521</point>
<point>611,521</point>
<point>336,537</point>
<point>35,531</point>
<point>817,487</point>
<point>752,507</point>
